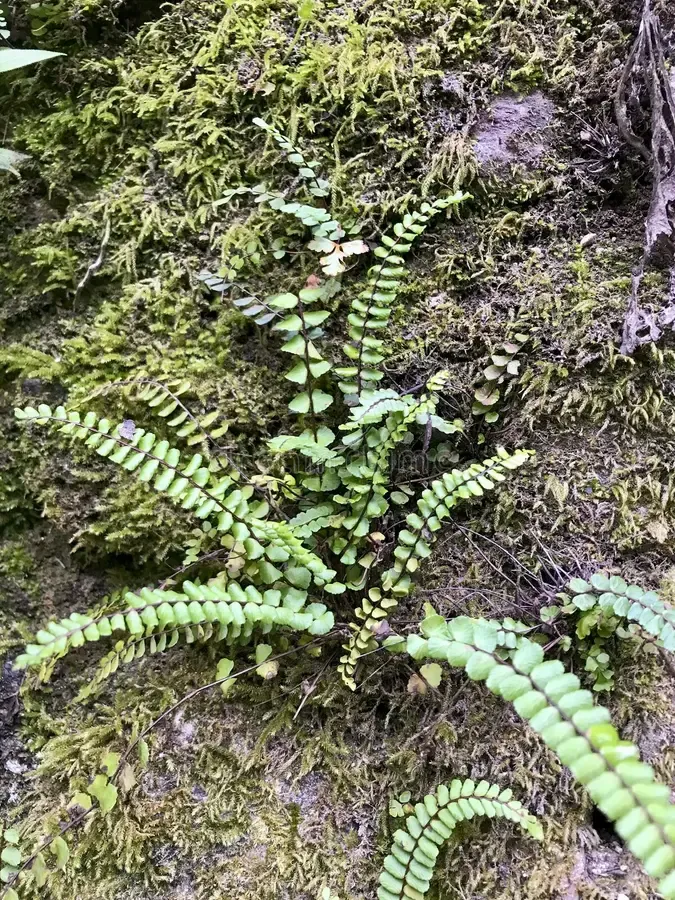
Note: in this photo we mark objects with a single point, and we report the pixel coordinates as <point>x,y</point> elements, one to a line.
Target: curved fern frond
<point>236,611</point>
<point>414,545</point>
<point>193,485</point>
<point>126,651</point>
<point>409,867</point>
<point>152,460</point>
<point>371,309</point>
<point>573,726</point>
<point>627,601</point>
<point>436,503</point>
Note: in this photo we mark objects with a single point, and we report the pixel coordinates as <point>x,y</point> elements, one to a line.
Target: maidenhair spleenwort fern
<point>167,401</point>
<point>606,606</point>
<point>414,544</point>
<point>150,615</point>
<point>371,309</point>
<point>316,527</point>
<point>626,601</point>
<point>409,867</point>
<point>580,732</point>
<point>195,486</point>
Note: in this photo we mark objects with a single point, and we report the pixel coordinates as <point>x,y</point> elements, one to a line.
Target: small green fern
<point>152,614</point>
<point>165,400</point>
<point>409,867</point>
<point>195,486</point>
<point>580,732</point>
<point>599,608</point>
<point>613,596</point>
<point>310,528</point>
<point>503,367</point>
<point>414,544</point>
<point>371,309</point>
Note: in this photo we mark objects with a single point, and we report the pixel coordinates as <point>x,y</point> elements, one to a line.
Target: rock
<point>451,84</point>
<point>514,131</point>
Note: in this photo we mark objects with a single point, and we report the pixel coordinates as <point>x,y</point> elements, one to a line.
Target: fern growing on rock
<point>606,606</point>
<point>579,731</point>
<point>334,512</point>
<point>315,538</point>
<point>409,867</point>
<point>630,602</point>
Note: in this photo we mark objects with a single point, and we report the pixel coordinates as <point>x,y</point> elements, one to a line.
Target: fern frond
<point>235,610</point>
<point>414,544</point>
<point>325,230</point>
<point>630,602</point>
<point>503,367</point>
<point>192,485</point>
<point>319,187</point>
<point>367,477</point>
<point>573,726</point>
<point>311,520</point>
<point>133,648</point>
<point>302,327</point>
<point>165,398</point>
<point>409,867</point>
<point>127,651</point>
<point>371,309</point>
<point>436,503</point>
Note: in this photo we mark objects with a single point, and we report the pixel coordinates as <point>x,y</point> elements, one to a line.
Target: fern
<point>371,309</point>
<point>318,187</point>
<point>165,400</point>
<point>367,476</point>
<point>152,618</point>
<point>302,328</point>
<point>599,606</point>
<point>409,867</point>
<point>612,595</point>
<point>578,731</point>
<point>327,232</point>
<point>193,485</point>
<point>503,367</point>
<point>329,505</point>
<point>414,544</point>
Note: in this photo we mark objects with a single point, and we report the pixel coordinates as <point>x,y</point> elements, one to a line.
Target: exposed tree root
<point>646,63</point>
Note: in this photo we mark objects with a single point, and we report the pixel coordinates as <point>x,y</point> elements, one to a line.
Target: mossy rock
<point>145,122</point>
